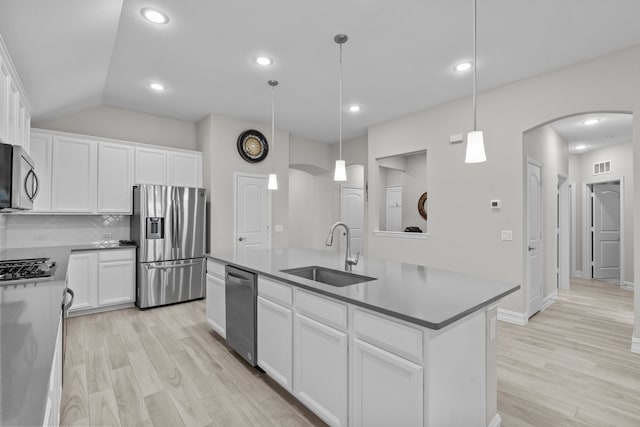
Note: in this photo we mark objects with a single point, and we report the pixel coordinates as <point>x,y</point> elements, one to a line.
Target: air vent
<point>602,167</point>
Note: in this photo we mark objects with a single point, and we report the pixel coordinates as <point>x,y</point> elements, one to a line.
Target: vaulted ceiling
<point>74,54</point>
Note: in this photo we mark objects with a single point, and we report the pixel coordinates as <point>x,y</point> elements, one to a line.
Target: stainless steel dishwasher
<point>241,289</point>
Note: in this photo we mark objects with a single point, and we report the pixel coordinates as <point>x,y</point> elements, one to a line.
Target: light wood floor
<point>570,366</point>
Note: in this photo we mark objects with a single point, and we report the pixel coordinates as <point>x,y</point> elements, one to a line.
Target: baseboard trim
<point>627,285</point>
<point>578,274</point>
<point>496,421</point>
<point>635,345</point>
<point>94,310</point>
<point>549,299</point>
<point>512,317</point>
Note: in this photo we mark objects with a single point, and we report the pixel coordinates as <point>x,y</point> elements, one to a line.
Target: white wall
<point>543,144</point>
<point>465,233</point>
<point>581,171</point>
<point>118,123</point>
<point>217,138</point>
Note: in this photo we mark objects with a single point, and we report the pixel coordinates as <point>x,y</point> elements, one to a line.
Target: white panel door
<point>606,231</point>
<point>352,214</point>
<point>185,169</point>
<point>252,213</point>
<point>386,389</point>
<point>394,209</point>
<point>82,276</point>
<point>320,361</point>
<point>116,282</point>
<point>151,166</point>
<point>115,178</point>
<point>275,342</point>
<point>75,162</point>
<point>216,311</point>
<point>534,239</point>
<point>41,152</point>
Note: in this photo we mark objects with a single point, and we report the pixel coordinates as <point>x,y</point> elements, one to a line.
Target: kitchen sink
<point>328,276</point>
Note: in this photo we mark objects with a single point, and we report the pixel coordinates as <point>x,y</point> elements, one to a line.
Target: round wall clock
<point>252,146</point>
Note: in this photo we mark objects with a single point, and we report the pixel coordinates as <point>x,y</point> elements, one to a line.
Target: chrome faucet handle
<point>354,261</point>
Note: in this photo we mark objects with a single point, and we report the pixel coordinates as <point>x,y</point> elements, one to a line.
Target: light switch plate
<point>279,228</point>
<point>456,139</point>
<point>506,235</point>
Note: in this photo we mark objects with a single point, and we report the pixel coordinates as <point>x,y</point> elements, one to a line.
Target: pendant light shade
<point>475,138</point>
<point>340,173</point>
<point>273,178</point>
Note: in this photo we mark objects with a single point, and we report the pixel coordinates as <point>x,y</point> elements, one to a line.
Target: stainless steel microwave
<point>18,180</point>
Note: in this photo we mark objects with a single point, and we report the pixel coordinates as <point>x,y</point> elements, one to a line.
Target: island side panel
<point>455,373</point>
<point>491,326</point>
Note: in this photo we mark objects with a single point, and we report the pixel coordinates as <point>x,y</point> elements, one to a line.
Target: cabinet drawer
<point>215,269</point>
<point>275,291</point>
<point>116,255</point>
<point>388,334</point>
<point>322,309</point>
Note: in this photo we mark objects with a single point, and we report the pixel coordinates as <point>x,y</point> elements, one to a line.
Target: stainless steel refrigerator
<point>168,225</point>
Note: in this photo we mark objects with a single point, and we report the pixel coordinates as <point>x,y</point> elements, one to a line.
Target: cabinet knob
<point>240,239</point>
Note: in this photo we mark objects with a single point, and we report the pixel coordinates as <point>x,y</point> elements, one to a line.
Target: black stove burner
<point>26,269</point>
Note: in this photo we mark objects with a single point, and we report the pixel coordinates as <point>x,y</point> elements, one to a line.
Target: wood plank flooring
<point>570,366</point>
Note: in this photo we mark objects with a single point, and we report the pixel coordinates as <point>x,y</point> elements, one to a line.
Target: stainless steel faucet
<point>348,260</point>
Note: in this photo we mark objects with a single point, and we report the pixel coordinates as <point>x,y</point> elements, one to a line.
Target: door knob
<point>531,248</point>
<point>240,239</point>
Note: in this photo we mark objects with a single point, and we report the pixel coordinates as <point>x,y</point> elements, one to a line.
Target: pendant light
<point>273,178</point>
<point>340,173</point>
<point>475,138</point>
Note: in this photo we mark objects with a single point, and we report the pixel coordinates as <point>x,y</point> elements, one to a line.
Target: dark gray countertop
<point>29,316</point>
<point>418,294</point>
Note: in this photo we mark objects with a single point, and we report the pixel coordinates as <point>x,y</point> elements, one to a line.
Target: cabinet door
<point>115,178</point>
<point>275,333</point>
<point>82,278</point>
<point>41,149</point>
<point>5,80</point>
<point>12,118</point>
<point>185,169</point>
<point>74,175</point>
<point>151,166</point>
<point>216,311</point>
<point>116,282</point>
<point>320,369</point>
<point>385,389</point>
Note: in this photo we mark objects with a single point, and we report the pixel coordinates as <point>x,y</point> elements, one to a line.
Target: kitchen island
<point>414,346</point>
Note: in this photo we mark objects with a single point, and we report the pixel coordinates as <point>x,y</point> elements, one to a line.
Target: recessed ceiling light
<point>580,147</point>
<point>591,122</point>
<point>463,66</point>
<point>354,108</point>
<point>154,15</point>
<point>263,60</point>
<point>158,87</point>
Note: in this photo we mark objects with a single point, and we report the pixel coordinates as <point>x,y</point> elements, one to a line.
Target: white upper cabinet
<point>185,169</point>
<point>151,166</point>
<point>74,168</point>
<point>41,147</point>
<point>5,83</point>
<point>115,178</point>
<point>15,110</point>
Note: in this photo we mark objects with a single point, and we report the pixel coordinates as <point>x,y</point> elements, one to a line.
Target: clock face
<point>252,146</point>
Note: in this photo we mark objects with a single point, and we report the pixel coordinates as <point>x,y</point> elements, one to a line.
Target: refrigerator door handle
<point>167,267</point>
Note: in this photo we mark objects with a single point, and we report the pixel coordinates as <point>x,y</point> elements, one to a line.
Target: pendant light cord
<point>475,66</point>
<point>340,106</point>
<point>273,117</point>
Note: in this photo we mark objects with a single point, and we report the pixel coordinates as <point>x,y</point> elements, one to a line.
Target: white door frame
<point>564,245</point>
<point>525,245</point>
<point>236,175</point>
<point>573,218</point>
<point>586,224</point>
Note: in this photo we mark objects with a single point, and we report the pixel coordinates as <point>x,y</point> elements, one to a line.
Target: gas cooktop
<point>32,268</point>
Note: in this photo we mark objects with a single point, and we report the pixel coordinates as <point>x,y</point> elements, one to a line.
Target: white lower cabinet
<point>320,360</point>
<point>386,389</point>
<point>216,312</point>
<point>82,278</point>
<point>275,335</point>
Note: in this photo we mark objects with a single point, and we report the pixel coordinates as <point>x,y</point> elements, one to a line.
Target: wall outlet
<point>107,235</point>
<point>506,235</point>
<point>41,237</point>
<point>279,228</point>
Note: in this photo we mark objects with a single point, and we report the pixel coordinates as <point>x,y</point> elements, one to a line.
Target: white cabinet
<point>216,311</point>
<point>41,148</point>
<point>320,369</point>
<point>151,166</point>
<point>82,278</point>
<point>15,111</point>
<point>385,389</point>
<point>101,278</point>
<point>275,341</point>
<point>116,277</point>
<point>5,82</point>
<point>54,393</point>
<point>185,169</point>
<point>115,178</point>
<point>74,168</point>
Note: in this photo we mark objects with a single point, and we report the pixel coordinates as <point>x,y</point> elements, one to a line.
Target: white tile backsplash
<point>56,230</point>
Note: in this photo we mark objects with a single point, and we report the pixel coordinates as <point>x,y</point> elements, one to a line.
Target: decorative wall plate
<point>422,201</point>
<point>252,146</point>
